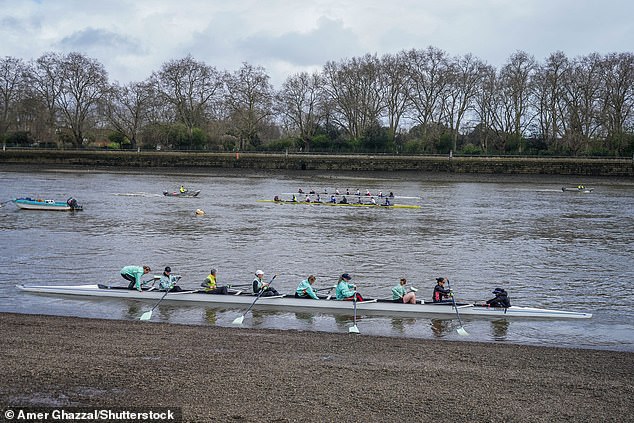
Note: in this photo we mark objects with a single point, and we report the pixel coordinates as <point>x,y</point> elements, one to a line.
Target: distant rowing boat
<point>290,303</point>
<point>181,194</point>
<point>39,204</point>
<point>314,203</point>
<point>325,194</point>
<point>577,189</point>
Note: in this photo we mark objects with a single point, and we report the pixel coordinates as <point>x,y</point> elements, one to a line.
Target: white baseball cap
<point>259,272</point>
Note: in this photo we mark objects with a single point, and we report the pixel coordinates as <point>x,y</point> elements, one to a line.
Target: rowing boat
<point>577,189</point>
<point>290,303</point>
<point>39,204</point>
<point>314,203</point>
<point>181,194</point>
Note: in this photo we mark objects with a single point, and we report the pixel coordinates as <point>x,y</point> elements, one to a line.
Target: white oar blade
<point>147,315</point>
<point>238,320</point>
<point>462,331</point>
<point>353,329</point>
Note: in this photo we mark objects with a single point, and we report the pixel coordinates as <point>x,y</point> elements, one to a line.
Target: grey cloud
<point>99,39</point>
<point>329,41</point>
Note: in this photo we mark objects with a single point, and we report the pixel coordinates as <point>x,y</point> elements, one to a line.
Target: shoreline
<point>489,165</point>
<point>252,375</point>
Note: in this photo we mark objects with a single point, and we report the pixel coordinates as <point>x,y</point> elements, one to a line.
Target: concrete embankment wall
<point>484,165</point>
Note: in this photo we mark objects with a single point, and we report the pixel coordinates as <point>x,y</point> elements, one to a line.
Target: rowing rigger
<point>290,303</point>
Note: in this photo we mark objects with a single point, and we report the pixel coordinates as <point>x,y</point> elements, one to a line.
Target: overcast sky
<point>133,38</point>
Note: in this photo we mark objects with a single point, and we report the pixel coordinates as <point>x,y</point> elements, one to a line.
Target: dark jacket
<point>501,299</point>
<point>440,293</point>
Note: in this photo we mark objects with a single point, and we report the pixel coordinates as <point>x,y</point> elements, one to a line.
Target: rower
<point>294,199</point>
<point>400,294</point>
<point>183,189</point>
<point>300,191</point>
<point>259,285</point>
<point>387,202</point>
<point>367,192</point>
<point>347,291</point>
<point>305,289</point>
<point>373,201</point>
<point>441,294</point>
<point>307,199</point>
<point>343,200</point>
<point>333,199</point>
<point>168,281</point>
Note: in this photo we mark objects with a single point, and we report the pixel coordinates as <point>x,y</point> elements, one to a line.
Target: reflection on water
<point>440,328</point>
<point>499,329</point>
<point>546,248</point>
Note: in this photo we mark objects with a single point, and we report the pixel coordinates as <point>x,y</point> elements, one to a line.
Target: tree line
<point>419,101</point>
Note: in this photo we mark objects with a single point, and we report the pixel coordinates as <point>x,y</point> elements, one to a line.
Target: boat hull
<point>25,204</point>
<point>313,203</point>
<point>290,303</point>
<point>186,194</point>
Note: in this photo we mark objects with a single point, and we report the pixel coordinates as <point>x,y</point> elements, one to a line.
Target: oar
<point>460,330</point>
<point>329,288</point>
<point>148,314</point>
<point>354,328</point>
<point>239,320</point>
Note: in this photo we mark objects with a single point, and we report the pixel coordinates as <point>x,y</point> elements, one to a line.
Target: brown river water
<point>547,248</point>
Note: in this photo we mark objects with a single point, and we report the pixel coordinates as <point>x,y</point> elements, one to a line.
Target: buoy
<point>200,212</point>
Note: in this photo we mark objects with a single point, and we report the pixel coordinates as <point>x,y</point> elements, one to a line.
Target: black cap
<point>168,269</point>
<point>346,276</point>
<point>498,290</point>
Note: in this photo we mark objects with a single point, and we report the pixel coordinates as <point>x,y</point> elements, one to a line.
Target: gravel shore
<point>217,374</point>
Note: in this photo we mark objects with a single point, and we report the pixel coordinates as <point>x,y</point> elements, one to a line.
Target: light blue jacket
<point>344,290</point>
<point>398,292</point>
<point>136,272</point>
<point>305,288</point>
<point>167,282</point>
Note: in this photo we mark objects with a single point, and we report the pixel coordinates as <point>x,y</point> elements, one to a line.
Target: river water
<point>547,248</point>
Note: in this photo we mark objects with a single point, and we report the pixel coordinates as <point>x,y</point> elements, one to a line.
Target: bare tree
<point>515,115</point>
<point>12,91</point>
<point>549,83</point>
<point>617,100</point>
<point>300,102</point>
<point>465,80</point>
<point>127,108</point>
<point>355,91</point>
<point>395,84</point>
<point>582,94</point>
<point>191,87</point>
<point>45,82</point>
<point>250,103</point>
<point>429,84</point>
<point>84,81</point>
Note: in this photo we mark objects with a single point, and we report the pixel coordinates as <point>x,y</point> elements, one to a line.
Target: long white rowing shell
<point>384,307</point>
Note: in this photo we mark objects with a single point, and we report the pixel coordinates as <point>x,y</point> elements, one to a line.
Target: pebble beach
<point>216,374</point>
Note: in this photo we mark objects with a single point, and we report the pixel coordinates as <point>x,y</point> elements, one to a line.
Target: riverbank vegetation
<point>420,101</point>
